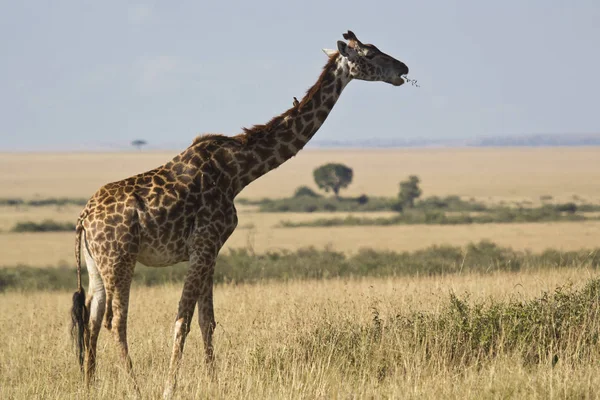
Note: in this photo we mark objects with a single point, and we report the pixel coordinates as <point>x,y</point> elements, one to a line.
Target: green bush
<point>566,207</point>
<point>52,201</point>
<point>305,191</point>
<point>436,217</point>
<point>323,204</point>
<point>11,202</point>
<point>44,226</point>
<point>449,203</point>
<point>239,266</point>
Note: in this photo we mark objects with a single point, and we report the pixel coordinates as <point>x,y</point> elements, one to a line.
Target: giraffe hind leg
<point>117,308</point>
<point>96,304</point>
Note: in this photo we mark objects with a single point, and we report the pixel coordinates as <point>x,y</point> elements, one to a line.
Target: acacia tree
<point>333,177</point>
<point>409,192</point>
<point>139,143</point>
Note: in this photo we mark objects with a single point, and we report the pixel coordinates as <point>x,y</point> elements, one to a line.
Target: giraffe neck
<point>268,146</point>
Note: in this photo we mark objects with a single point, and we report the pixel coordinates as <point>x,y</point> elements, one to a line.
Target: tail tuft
<point>79,319</point>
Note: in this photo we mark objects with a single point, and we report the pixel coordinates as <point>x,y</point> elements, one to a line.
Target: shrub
<point>305,191</point>
<point>409,191</point>
<point>44,226</point>
<point>436,217</point>
<point>52,201</point>
<point>330,207</point>
<point>570,208</point>
<point>11,202</point>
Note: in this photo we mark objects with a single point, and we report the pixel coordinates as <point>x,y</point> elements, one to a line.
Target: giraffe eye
<point>370,55</point>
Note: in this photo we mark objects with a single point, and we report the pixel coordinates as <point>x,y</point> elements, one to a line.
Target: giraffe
<point>184,211</point>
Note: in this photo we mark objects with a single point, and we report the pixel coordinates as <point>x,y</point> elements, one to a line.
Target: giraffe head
<point>368,63</point>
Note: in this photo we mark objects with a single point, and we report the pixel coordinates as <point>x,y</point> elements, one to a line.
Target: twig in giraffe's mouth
<point>411,81</point>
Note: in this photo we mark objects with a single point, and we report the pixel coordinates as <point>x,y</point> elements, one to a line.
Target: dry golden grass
<point>258,322</point>
<point>503,174</point>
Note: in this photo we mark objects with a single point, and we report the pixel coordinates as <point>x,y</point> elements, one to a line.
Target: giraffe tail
<point>79,311</point>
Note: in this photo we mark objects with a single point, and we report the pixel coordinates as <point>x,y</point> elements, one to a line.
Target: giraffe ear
<point>346,50</point>
<point>329,52</point>
<point>343,48</point>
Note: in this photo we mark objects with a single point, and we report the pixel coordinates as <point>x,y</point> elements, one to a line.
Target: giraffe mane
<point>257,130</point>
<point>208,136</point>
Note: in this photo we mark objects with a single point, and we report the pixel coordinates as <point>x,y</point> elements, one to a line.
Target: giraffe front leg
<point>206,319</point>
<point>195,284</point>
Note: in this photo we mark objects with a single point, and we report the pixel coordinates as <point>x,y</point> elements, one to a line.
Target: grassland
<point>314,339</point>
<point>394,337</point>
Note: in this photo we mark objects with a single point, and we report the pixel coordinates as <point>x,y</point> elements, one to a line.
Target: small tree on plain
<point>139,143</point>
<point>333,177</point>
<point>409,192</point>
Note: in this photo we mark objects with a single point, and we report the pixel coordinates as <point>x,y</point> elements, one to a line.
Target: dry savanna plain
<point>486,334</point>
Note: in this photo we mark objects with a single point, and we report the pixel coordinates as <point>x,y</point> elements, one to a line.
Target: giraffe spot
<point>110,233</point>
<point>178,168</point>
<point>329,103</point>
<point>308,117</point>
<point>286,152</point>
<point>114,219</point>
<point>126,237</point>
<point>317,100</point>
<point>143,191</point>
<point>272,163</point>
<point>298,143</point>
<point>321,115</point>
<point>185,180</point>
<point>308,130</point>
<point>262,152</point>
<point>158,180</point>
<point>287,135</point>
<point>176,210</point>
<point>161,216</point>
<point>180,188</point>
<point>143,180</point>
<point>168,200</point>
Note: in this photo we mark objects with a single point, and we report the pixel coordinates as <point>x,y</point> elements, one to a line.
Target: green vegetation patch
<point>433,217</point>
<point>44,226</point>
<point>242,266</point>
<point>52,201</point>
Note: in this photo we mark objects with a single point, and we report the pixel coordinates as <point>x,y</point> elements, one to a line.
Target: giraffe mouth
<point>397,81</point>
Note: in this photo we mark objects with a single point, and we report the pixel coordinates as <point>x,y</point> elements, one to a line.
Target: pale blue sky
<point>95,75</point>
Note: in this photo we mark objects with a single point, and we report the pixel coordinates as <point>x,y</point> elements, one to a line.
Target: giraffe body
<point>184,210</point>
